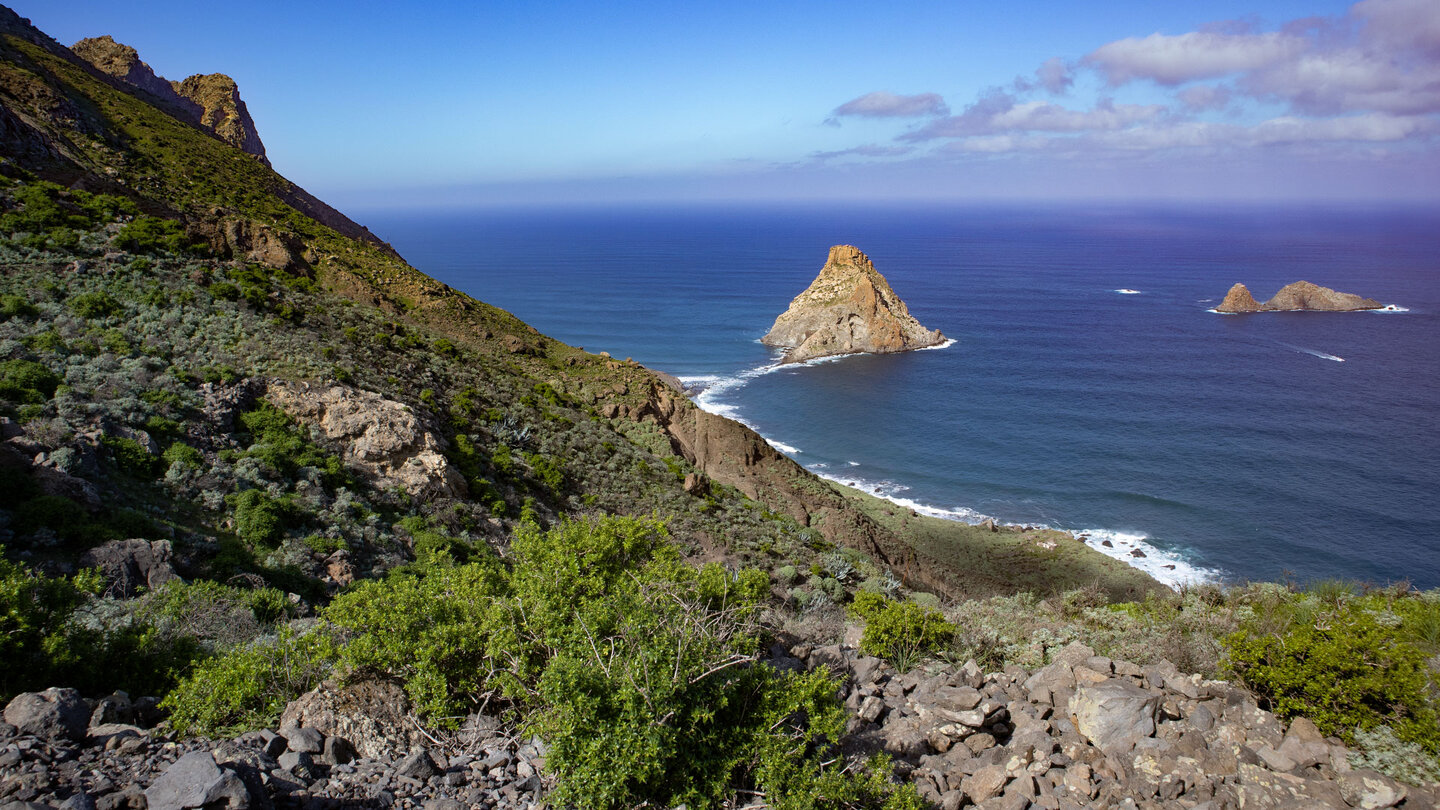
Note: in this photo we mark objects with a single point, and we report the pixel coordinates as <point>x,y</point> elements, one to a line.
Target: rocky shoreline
<point>1084,731</point>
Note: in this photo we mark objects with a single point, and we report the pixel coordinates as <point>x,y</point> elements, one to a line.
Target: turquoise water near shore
<point>1089,388</point>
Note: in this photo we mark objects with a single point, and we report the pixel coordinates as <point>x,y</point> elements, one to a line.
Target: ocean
<point>1088,388</point>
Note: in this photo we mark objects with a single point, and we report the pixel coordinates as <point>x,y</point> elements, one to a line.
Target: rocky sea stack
<point>848,308</point>
<point>1302,295</point>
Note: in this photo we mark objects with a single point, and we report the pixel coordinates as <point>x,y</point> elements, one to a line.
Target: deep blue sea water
<point>1227,446</point>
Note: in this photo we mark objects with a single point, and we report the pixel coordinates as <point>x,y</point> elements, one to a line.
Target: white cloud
<point>881,104</point>
<point>1172,60</point>
<point>1203,97</point>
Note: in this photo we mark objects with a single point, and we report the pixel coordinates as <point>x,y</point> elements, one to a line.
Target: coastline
<point>1131,548</point>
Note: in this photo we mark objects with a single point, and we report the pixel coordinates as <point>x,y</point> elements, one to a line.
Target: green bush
<point>184,455</point>
<point>152,235</point>
<point>26,381</point>
<point>285,447</point>
<point>94,305</point>
<point>1342,667</point>
<point>637,669</point>
<point>901,632</point>
<point>42,644</point>
<point>261,520</point>
<point>248,687</point>
<point>13,306</point>
<point>34,611</point>
<point>131,456</point>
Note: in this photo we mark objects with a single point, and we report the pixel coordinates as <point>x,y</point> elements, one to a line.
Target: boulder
<point>381,437</point>
<point>372,715</point>
<point>55,714</point>
<point>193,781</point>
<point>1370,790</point>
<point>129,565</point>
<point>1114,715</point>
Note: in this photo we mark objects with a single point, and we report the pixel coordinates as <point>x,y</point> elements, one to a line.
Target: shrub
<point>94,305</point>
<point>42,644</point>
<point>1344,669</point>
<point>638,670</point>
<point>34,610</point>
<point>261,520</point>
<point>26,381</point>
<point>248,687</point>
<point>225,291</point>
<point>1379,749</point>
<point>151,235</point>
<point>13,306</point>
<point>131,456</point>
<point>184,455</point>
<point>900,632</point>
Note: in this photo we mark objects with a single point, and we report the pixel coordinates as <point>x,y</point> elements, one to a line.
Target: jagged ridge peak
<point>849,308</point>
<point>210,101</point>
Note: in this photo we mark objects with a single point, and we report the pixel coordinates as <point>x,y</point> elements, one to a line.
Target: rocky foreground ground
<point>1083,732</point>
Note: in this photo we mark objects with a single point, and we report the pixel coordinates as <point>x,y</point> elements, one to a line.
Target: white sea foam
<point>1218,312</point>
<point>947,344</point>
<point>781,446</point>
<point>1124,291</point>
<point>1168,567</point>
<point>1390,308</point>
<point>1313,352</point>
<point>853,463</point>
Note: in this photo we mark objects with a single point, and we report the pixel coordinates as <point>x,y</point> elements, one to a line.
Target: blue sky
<point>445,103</point>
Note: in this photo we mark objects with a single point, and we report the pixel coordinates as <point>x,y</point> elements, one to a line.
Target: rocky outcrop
<point>372,716</point>
<point>848,308</point>
<point>732,454</point>
<point>1239,299</point>
<point>123,62</point>
<point>222,112</point>
<point>211,102</point>
<point>380,437</point>
<point>130,565</point>
<point>1301,295</point>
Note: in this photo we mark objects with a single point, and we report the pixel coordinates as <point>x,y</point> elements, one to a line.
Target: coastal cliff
<point>848,308</point>
<point>1301,295</point>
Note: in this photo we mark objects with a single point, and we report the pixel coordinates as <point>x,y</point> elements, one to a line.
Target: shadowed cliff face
<point>848,308</point>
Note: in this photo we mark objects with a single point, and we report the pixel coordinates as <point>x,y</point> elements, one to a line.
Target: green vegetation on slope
<point>637,669</point>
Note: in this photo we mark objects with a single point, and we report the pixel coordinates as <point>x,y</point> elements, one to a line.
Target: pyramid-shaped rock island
<point>848,309</point>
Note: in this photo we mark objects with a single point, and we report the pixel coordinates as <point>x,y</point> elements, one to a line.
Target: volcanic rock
<point>848,308</point>
<point>211,102</point>
<point>1304,295</point>
<point>1239,299</point>
<point>1301,295</point>
<point>381,437</point>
